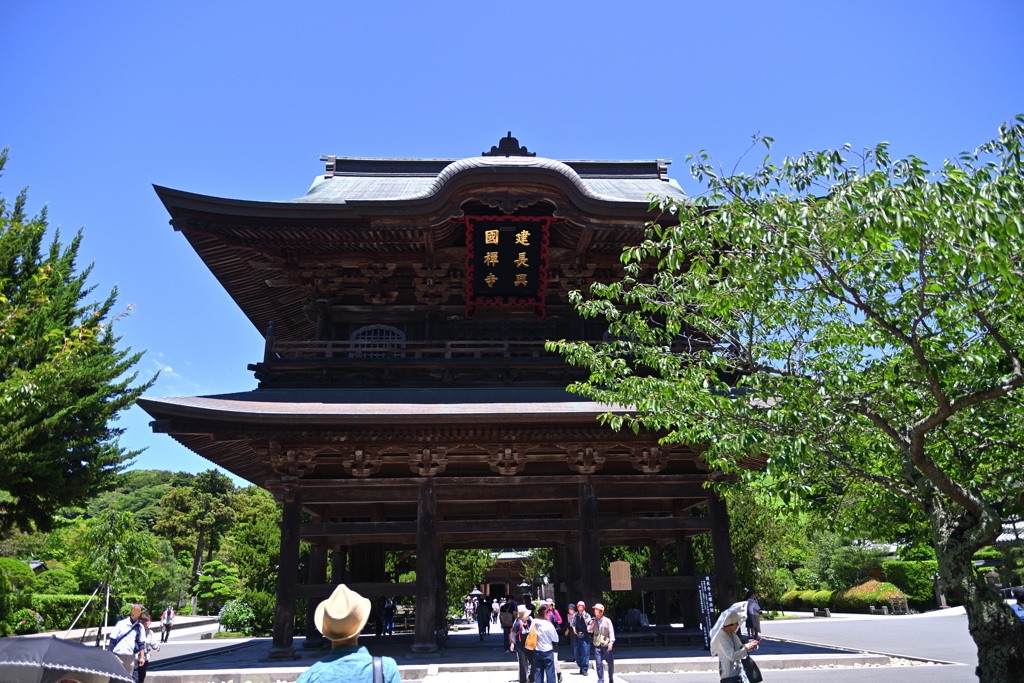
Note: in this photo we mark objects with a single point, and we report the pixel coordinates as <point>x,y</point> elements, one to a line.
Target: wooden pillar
<point>427,565</point>
<point>317,574</point>
<point>574,568</point>
<point>721,548</point>
<point>689,600</point>
<point>561,579</point>
<point>339,559</point>
<point>590,545</point>
<point>661,615</point>
<point>287,576</point>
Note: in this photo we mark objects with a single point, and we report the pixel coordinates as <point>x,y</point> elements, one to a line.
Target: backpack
<point>506,619</point>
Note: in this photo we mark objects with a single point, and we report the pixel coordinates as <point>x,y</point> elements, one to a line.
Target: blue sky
<point>102,100</point>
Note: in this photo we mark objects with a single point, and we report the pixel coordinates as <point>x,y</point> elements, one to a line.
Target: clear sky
<point>101,100</point>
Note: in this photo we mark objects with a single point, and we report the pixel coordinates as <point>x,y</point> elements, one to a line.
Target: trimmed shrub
<point>6,604</point>
<point>19,573</point>
<point>860,598</point>
<point>262,605</point>
<point>914,579</point>
<point>236,615</point>
<point>56,582</point>
<point>58,611</point>
<point>805,600</point>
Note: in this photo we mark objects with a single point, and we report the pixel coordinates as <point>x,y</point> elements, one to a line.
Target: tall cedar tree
<point>860,325</point>
<point>62,377</point>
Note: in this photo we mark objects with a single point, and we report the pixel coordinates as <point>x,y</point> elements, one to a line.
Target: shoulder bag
<point>752,670</point>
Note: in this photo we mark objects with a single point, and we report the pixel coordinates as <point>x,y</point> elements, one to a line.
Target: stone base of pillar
<point>316,643</point>
<point>281,653</point>
<point>424,648</point>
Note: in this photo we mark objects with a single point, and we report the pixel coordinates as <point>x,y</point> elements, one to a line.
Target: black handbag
<point>751,669</point>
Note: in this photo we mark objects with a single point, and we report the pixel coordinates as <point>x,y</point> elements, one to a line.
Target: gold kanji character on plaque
<point>490,236</point>
<point>523,238</point>
<point>491,258</point>
<point>521,262</point>
<point>520,280</point>
<point>491,279</point>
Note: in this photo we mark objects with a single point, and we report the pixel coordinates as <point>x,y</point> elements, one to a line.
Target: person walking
<point>145,655</point>
<point>603,633</point>
<point>127,638</point>
<point>581,647</point>
<point>730,649</point>
<point>544,654</point>
<point>517,644</point>
<point>166,621</point>
<point>389,616</point>
<point>341,619</point>
<point>753,616</point>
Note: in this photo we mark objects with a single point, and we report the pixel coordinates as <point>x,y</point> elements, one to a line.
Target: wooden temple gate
<point>405,401</point>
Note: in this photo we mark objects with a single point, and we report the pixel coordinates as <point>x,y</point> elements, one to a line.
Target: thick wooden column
<point>317,574</point>
<point>721,549</point>
<point>427,565</point>
<point>561,579</point>
<point>574,580</point>
<point>661,615</point>
<point>339,559</point>
<point>590,545</point>
<point>689,600</point>
<point>287,576</point>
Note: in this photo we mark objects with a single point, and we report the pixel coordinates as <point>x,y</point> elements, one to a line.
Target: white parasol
<point>737,607</point>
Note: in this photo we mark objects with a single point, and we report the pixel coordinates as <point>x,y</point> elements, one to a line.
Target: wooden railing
<point>412,350</point>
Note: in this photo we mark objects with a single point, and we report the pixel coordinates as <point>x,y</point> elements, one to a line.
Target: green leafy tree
<point>218,583</point>
<point>63,379</point>
<point>197,515</point>
<point>256,539</point>
<point>856,325</point>
<point>119,553</point>
<point>464,570</point>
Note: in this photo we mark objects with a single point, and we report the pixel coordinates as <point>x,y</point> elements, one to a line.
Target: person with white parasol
<point>726,643</point>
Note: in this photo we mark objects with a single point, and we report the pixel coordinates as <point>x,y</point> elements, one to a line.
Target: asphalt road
<point>939,636</point>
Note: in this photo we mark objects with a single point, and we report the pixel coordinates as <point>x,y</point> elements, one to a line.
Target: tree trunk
<point>994,627</point>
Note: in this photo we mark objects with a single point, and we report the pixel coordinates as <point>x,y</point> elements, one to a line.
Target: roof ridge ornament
<point>508,146</point>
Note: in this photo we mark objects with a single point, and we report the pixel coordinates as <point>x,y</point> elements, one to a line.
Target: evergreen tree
<point>62,377</point>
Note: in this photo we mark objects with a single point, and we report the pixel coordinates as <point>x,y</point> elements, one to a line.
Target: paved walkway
<point>843,641</point>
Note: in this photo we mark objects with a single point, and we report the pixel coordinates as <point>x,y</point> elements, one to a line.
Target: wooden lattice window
<point>378,341</point>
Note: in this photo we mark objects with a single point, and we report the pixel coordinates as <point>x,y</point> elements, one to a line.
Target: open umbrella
<point>52,660</point>
<point>740,607</point>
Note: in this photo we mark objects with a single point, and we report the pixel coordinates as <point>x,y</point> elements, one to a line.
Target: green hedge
<point>806,600</point>
<point>860,598</point>
<point>914,579</point>
<point>58,611</point>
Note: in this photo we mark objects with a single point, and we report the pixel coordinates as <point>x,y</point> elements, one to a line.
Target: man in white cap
<point>341,619</point>
<point>603,633</point>
<point>581,647</point>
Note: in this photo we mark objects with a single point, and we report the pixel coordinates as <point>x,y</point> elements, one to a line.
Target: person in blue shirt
<point>1018,609</point>
<point>341,619</point>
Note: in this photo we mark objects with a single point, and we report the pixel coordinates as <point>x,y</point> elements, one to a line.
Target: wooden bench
<point>687,638</point>
<point>636,638</point>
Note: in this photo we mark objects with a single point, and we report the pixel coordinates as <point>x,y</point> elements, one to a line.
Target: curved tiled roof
<point>408,180</point>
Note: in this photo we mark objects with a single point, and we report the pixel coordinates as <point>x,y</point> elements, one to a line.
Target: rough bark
<point>992,624</point>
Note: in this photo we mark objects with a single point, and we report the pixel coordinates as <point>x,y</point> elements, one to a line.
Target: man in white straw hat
<point>341,619</point>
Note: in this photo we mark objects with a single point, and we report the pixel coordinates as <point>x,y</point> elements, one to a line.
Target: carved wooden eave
<point>275,259</point>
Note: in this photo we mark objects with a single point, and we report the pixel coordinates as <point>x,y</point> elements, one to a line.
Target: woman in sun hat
<point>726,643</point>
<point>341,619</point>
